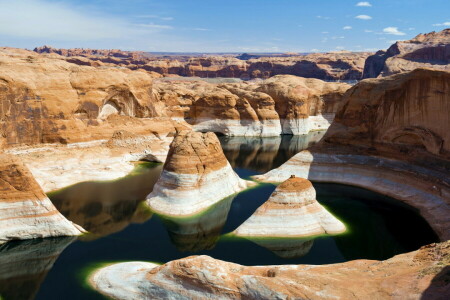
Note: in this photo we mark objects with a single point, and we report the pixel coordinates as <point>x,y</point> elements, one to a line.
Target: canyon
<point>71,117</point>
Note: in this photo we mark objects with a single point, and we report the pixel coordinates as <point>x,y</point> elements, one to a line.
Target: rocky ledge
<point>291,211</point>
<point>195,176</point>
<point>422,274</point>
<point>25,211</point>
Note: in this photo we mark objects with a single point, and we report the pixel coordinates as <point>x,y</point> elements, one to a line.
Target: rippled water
<point>122,229</point>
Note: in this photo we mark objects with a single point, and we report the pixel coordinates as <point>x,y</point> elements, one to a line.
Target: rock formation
<point>195,176</point>
<point>25,211</point>
<point>48,100</point>
<point>391,136</point>
<point>291,211</point>
<point>422,274</point>
<point>280,105</point>
<point>327,66</point>
<point>431,50</point>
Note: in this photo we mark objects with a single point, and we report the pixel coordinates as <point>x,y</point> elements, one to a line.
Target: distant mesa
<point>195,176</point>
<point>291,211</point>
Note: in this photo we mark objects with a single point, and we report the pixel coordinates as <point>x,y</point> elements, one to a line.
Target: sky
<point>219,25</point>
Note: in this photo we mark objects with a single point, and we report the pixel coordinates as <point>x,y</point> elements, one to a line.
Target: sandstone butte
<point>25,211</point>
<point>340,65</point>
<point>195,176</point>
<point>430,50</point>
<point>291,211</point>
<point>390,136</point>
<point>422,274</point>
<point>283,104</point>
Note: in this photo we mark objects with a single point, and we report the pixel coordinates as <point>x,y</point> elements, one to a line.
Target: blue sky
<point>219,25</point>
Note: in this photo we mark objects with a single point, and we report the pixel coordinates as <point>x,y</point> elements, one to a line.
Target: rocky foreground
<point>422,274</point>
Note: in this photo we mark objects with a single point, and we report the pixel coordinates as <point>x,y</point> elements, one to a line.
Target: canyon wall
<point>326,66</point>
<point>391,136</point>
<point>431,50</point>
<point>46,100</point>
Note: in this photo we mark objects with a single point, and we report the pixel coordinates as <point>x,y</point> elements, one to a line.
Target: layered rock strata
<point>195,176</point>
<point>327,66</point>
<point>431,50</point>
<point>422,274</point>
<point>279,105</point>
<point>25,211</point>
<point>391,136</point>
<point>291,211</point>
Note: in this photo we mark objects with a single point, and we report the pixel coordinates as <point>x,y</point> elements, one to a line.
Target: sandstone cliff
<point>291,211</point>
<point>421,274</point>
<point>195,176</point>
<point>46,100</point>
<point>283,104</point>
<point>327,66</point>
<point>25,211</point>
<point>391,136</point>
<point>431,50</point>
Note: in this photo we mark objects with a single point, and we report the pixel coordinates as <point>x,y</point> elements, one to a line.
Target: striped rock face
<point>196,175</point>
<point>291,211</point>
<point>25,211</point>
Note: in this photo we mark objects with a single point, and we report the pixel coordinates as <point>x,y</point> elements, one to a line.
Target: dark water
<point>123,230</point>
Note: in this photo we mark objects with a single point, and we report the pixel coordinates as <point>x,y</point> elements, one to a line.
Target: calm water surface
<point>123,230</point>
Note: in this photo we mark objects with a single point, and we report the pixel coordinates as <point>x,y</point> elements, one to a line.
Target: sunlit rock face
<point>430,50</point>
<point>419,275</point>
<point>24,265</point>
<point>291,211</point>
<point>196,175</point>
<point>390,136</point>
<point>280,105</point>
<point>25,211</point>
<point>48,100</point>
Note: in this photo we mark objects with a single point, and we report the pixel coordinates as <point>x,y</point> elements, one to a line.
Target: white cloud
<point>363,17</point>
<point>325,32</point>
<point>314,50</point>
<point>347,27</point>
<point>393,31</point>
<point>442,24</point>
<point>155,17</point>
<point>364,4</point>
<point>41,20</point>
<point>323,17</point>
<point>340,48</point>
<point>368,31</point>
<point>201,29</point>
<point>338,37</point>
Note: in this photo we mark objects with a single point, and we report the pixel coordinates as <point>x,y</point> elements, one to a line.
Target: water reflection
<point>199,232</point>
<point>264,154</point>
<point>286,248</point>
<point>103,208</point>
<point>24,265</point>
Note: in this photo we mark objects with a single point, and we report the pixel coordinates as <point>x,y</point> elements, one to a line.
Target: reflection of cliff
<point>103,208</point>
<point>199,232</point>
<point>264,154</point>
<point>286,248</point>
<point>24,266</point>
